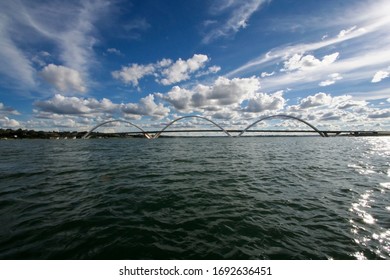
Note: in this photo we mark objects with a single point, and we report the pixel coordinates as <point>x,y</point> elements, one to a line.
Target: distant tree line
<point>32,134</point>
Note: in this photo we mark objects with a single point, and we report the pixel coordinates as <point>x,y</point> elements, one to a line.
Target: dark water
<point>195,198</point>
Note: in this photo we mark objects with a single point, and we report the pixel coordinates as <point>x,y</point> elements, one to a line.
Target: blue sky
<point>68,65</point>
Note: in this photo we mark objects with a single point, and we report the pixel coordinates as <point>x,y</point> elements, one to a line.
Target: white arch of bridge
<point>111,121</point>
<point>281,116</point>
<point>158,134</point>
<point>186,117</point>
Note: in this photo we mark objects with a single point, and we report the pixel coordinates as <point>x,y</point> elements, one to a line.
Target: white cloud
<point>224,94</point>
<point>166,71</point>
<point>8,123</point>
<point>344,32</point>
<point>211,70</point>
<point>60,104</point>
<point>146,107</point>
<point>379,76</point>
<point>380,114</point>
<point>14,63</point>
<point>279,54</point>
<point>165,62</point>
<point>370,18</point>
<point>299,62</point>
<point>133,73</point>
<point>63,105</point>
<point>114,51</point>
<point>77,41</point>
<point>357,68</point>
<point>66,26</point>
<point>225,114</point>
<point>266,102</point>
<point>238,16</point>
<point>345,102</point>
<point>318,99</point>
<point>265,74</point>
<point>327,107</point>
<point>63,78</point>
<point>181,69</point>
<point>228,92</point>
<point>332,79</point>
<point>7,110</point>
<point>179,98</point>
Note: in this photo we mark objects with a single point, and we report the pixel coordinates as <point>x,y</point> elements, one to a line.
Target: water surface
<point>195,198</point>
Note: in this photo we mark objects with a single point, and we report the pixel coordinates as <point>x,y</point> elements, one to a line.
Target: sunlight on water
<point>359,208</point>
<point>359,256</point>
<point>385,185</point>
<point>380,145</point>
<point>362,168</point>
<point>369,231</point>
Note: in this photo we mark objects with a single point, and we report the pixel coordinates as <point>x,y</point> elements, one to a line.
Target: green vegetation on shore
<point>6,134</point>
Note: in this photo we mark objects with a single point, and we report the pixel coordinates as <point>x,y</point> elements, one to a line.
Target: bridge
<point>229,133</point>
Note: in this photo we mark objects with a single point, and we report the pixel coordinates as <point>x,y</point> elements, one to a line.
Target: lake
<point>196,198</point>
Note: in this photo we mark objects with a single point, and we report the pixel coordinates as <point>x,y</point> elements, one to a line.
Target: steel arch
<point>123,121</point>
<point>284,117</point>
<point>185,117</point>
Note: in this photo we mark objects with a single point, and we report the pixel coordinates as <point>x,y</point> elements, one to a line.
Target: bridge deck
<point>263,130</point>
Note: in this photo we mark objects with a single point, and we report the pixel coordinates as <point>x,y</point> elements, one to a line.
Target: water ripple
<point>196,198</point>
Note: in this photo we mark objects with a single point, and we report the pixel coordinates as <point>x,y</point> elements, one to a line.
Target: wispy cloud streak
<point>66,26</point>
<point>238,12</point>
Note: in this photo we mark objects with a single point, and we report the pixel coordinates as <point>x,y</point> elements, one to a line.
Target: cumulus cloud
<point>146,107</point>
<point>63,78</point>
<point>222,95</point>
<point>331,116</point>
<point>211,70</point>
<point>379,76</point>
<point>380,114</point>
<point>318,99</point>
<point>63,105</point>
<point>238,14</point>
<point>332,78</point>
<point>165,62</point>
<point>8,123</point>
<point>265,102</point>
<point>181,69</point>
<point>329,102</point>
<point>345,102</point>
<point>179,98</point>
<point>166,71</point>
<point>133,73</point>
<point>230,91</point>
<point>300,62</point>
<point>225,114</point>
